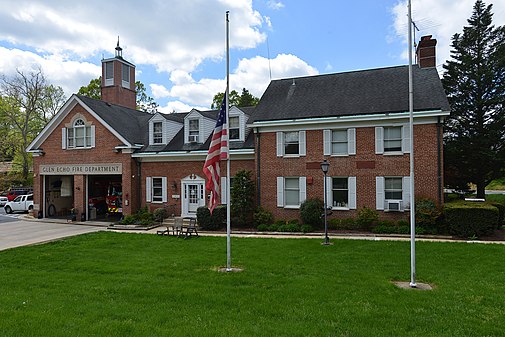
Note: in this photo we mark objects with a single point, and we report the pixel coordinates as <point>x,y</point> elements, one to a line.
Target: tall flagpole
<point>412,194</point>
<point>228,210</point>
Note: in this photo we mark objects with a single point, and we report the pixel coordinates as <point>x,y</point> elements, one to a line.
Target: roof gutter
<point>190,155</point>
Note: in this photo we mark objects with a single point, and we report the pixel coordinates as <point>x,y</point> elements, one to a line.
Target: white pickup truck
<point>22,203</point>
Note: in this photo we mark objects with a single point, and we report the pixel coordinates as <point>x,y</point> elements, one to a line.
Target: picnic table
<point>181,229</point>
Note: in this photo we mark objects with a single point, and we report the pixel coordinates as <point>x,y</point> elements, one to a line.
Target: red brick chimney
<point>118,80</point>
<point>425,52</point>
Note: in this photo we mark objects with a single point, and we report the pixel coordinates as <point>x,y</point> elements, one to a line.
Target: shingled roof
<point>383,90</point>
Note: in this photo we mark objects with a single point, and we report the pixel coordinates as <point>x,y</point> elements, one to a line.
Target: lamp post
<point>324,167</point>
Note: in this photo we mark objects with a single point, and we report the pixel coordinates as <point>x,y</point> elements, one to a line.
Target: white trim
<point>164,197</point>
<point>93,135</point>
<point>64,138</point>
<point>280,143</point>
<point>406,138</point>
<point>406,193</point>
<point>199,155</point>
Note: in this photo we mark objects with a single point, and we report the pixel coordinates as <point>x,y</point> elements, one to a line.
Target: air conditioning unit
<point>394,205</point>
<point>193,138</point>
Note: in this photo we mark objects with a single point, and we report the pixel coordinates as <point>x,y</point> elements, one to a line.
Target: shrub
<point>342,224</point>
<point>262,217</point>
<point>311,211</point>
<point>262,228</point>
<point>366,218</point>
<point>501,213</point>
<point>427,215</point>
<point>216,221</point>
<point>274,227</point>
<point>160,214</point>
<point>142,218</point>
<point>128,220</point>
<point>306,228</point>
<point>470,219</point>
<point>242,197</point>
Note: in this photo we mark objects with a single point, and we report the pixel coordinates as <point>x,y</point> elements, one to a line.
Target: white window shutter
<point>280,144</point>
<point>200,132</point>
<point>329,194</point>
<point>406,138</point>
<point>303,189</point>
<point>92,136</point>
<point>351,141</point>
<point>223,190</point>
<point>148,189</point>
<point>406,192</point>
<point>280,192</point>
<point>327,142</point>
<point>379,193</point>
<point>302,143</point>
<point>352,192</point>
<point>64,138</point>
<point>379,140</point>
<point>164,197</point>
<point>151,133</point>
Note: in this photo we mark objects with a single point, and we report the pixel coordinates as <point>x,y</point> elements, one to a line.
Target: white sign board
<point>78,169</point>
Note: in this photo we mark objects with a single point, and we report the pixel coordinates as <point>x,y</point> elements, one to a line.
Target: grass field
<point>116,284</point>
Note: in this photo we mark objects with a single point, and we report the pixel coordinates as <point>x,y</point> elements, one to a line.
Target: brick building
<point>95,152</point>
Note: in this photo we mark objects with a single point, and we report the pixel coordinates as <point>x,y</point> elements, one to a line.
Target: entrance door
<point>193,190</point>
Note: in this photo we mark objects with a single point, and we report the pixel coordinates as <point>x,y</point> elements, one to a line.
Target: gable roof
<point>383,90</point>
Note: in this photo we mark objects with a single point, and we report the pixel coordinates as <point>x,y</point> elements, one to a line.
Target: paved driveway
<point>23,233</point>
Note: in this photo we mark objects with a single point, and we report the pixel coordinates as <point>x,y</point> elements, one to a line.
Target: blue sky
<point>179,46</point>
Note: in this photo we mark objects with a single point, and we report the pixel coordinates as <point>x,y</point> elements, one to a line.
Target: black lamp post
<point>324,167</point>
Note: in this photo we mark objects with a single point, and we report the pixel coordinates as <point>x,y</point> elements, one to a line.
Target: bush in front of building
<point>213,222</point>
<point>242,193</point>
<point>311,211</point>
<point>395,227</point>
<point>427,215</point>
<point>471,219</point>
<point>343,224</point>
<point>291,226</point>
<point>160,214</point>
<point>366,218</point>
<point>142,218</point>
<point>262,217</point>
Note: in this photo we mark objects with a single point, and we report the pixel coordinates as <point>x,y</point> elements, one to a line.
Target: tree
<point>242,197</point>
<point>28,102</point>
<point>144,102</point>
<point>245,99</point>
<point>474,80</point>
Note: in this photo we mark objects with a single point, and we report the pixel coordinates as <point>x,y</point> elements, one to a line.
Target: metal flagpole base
<point>413,285</point>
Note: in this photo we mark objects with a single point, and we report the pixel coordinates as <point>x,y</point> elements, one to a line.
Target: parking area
<point>22,233</point>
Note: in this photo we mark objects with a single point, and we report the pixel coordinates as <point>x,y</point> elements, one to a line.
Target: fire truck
<point>114,198</point>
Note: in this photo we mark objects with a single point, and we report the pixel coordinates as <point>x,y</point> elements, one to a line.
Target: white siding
<point>171,128</point>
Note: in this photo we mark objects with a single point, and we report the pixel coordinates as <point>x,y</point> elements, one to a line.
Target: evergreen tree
<point>244,99</point>
<point>474,80</point>
<point>242,198</point>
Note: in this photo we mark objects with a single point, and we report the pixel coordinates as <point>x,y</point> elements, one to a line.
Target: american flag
<point>218,150</point>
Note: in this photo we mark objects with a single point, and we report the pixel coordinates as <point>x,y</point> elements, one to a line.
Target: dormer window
<point>234,128</point>
<point>194,130</point>
<point>125,75</point>
<point>157,133</point>
<point>109,73</point>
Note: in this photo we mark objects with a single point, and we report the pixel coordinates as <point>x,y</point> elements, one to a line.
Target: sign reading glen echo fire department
<point>69,169</point>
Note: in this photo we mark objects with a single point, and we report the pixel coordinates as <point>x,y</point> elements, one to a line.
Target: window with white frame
<point>194,130</point>
<point>79,135</point>
<point>339,142</point>
<point>156,189</point>
<point>157,133</point>
<point>291,191</point>
<point>125,75</point>
<point>340,192</point>
<point>234,127</point>
<point>393,193</point>
<point>291,144</point>
<point>393,139</point>
<point>109,73</point>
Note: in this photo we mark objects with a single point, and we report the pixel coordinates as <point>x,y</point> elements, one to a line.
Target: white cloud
<point>275,5</point>
<point>178,106</point>
<point>440,18</point>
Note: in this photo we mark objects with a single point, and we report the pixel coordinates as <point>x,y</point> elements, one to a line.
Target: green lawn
<point>115,284</point>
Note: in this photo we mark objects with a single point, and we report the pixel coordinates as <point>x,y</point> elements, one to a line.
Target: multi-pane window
<point>291,143</point>
<point>393,188</point>
<point>339,142</point>
<point>393,139</point>
<point>109,73</point>
<point>292,192</point>
<point>157,190</point>
<point>157,133</point>
<point>194,130</point>
<point>79,135</point>
<point>125,75</point>
<point>340,192</point>
<point>234,127</point>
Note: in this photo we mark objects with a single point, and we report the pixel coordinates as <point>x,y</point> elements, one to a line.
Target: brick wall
<point>365,166</point>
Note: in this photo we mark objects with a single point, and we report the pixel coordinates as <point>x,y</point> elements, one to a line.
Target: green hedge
<point>471,219</point>
<point>213,222</point>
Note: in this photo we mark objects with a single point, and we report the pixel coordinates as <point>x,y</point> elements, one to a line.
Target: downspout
<point>439,162</point>
<point>139,183</point>
<point>258,166</point>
